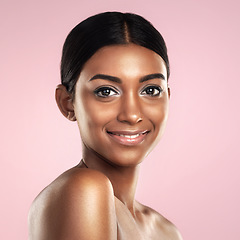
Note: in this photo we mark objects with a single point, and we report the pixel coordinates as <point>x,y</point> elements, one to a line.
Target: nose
<point>130,110</point>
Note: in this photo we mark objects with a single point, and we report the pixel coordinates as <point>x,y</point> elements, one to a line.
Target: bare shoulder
<point>164,228</point>
<point>168,228</point>
<point>79,204</point>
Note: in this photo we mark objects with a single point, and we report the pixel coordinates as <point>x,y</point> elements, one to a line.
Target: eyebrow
<point>106,77</point>
<point>152,76</point>
<point>118,80</point>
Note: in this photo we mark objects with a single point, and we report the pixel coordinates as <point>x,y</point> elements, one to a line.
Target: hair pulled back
<point>109,28</point>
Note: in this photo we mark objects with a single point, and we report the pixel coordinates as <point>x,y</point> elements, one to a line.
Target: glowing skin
<point>121,106</point>
<point>121,103</point>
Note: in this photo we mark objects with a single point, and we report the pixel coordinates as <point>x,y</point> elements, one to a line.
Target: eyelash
<point>102,89</point>
<point>154,88</point>
<point>109,91</point>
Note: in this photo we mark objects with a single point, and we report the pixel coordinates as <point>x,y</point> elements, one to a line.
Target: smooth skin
<point>121,106</point>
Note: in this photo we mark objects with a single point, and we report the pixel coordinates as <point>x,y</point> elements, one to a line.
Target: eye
<point>105,92</point>
<point>152,91</point>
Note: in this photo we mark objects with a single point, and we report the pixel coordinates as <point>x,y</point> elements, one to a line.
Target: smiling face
<point>121,103</point>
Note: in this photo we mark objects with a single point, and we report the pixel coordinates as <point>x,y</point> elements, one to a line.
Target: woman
<point>114,74</point>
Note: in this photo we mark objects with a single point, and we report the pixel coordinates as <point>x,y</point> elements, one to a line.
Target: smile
<point>128,138</point>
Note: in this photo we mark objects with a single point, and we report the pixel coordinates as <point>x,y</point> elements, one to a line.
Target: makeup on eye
<point>107,91</point>
<point>152,90</point>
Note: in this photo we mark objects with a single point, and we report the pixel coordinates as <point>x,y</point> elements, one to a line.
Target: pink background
<point>192,177</point>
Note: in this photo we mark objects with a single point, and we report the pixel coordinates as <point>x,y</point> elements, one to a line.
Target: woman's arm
<point>77,206</point>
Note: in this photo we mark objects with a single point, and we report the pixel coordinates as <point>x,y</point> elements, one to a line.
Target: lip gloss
<point>128,138</point>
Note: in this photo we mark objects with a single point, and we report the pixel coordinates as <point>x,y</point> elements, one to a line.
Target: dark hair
<point>109,28</point>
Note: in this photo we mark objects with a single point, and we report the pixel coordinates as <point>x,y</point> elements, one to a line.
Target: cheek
<point>92,115</point>
<point>158,116</point>
<point>157,113</point>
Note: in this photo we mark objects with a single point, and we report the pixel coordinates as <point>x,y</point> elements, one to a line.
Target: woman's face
<point>121,103</point>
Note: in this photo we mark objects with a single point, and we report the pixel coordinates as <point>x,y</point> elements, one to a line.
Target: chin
<point>125,157</point>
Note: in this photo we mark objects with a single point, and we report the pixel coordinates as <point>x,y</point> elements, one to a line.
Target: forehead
<point>128,60</point>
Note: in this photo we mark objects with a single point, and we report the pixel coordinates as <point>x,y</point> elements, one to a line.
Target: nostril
<point>130,109</point>
<point>139,119</point>
<point>131,118</point>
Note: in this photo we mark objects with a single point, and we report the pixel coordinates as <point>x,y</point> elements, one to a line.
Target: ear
<point>65,102</point>
<point>169,92</point>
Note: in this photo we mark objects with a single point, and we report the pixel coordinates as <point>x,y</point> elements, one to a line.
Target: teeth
<point>129,136</point>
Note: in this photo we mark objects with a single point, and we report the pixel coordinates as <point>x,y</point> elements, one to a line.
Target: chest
<point>135,229</point>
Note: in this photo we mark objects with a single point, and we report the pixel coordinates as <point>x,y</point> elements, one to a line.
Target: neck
<point>123,178</point>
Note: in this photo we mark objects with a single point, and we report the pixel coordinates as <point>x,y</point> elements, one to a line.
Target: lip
<point>128,138</point>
